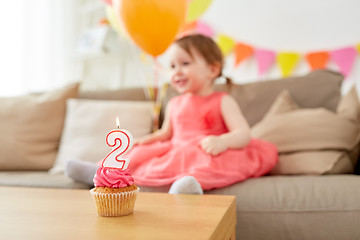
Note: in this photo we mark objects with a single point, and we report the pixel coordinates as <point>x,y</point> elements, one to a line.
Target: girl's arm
<point>239,130</point>
<point>163,134</point>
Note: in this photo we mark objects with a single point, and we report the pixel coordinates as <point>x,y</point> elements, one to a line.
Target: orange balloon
<point>153,24</point>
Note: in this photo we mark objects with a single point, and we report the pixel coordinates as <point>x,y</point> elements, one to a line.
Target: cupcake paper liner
<point>114,204</point>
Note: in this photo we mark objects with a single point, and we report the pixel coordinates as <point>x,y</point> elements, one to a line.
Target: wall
<point>279,25</point>
<point>283,25</point>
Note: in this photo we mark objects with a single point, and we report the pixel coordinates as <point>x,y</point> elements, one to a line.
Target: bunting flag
<point>242,51</point>
<point>358,48</point>
<point>188,27</point>
<point>344,59</point>
<point>264,59</point>
<point>204,29</point>
<point>287,62</point>
<point>197,27</point>
<point>317,60</point>
<point>225,43</point>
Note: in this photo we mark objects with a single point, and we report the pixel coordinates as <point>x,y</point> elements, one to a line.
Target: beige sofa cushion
<point>31,127</point>
<point>297,207</point>
<point>310,141</point>
<point>349,106</point>
<point>87,123</point>
<point>317,89</point>
<point>38,179</point>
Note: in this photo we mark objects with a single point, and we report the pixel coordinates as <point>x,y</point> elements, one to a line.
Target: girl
<point>204,142</point>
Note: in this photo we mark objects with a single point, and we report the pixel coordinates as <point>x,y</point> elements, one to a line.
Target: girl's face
<point>191,73</point>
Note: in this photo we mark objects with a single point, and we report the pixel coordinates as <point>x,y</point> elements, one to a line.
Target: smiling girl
<point>205,140</point>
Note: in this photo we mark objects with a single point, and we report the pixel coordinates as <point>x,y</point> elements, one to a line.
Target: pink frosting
<point>113,178</point>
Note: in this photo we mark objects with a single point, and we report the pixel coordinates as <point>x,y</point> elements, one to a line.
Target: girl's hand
<point>213,145</point>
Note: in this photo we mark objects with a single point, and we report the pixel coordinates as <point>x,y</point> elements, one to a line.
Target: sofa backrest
<point>320,88</point>
<point>317,89</point>
<point>126,94</point>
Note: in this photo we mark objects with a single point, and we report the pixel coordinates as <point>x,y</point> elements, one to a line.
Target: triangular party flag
<point>344,59</point>
<point>189,26</point>
<point>242,51</point>
<point>225,43</point>
<point>358,48</point>
<point>204,29</point>
<point>108,2</point>
<point>317,60</point>
<point>187,29</point>
<point>264,59</point>
<point>287,61</point>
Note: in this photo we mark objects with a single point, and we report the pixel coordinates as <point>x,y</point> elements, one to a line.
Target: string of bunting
<point>343,57</point>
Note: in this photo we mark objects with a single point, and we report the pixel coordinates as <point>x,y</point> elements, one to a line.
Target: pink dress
<point>192,119</point>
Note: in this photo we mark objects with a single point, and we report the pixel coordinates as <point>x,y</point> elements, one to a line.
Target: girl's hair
<point>206,47</point>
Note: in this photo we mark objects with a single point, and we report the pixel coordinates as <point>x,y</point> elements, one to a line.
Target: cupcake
<point>114,193</point>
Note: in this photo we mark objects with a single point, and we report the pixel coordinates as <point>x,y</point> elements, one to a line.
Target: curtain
<point>36,50</point>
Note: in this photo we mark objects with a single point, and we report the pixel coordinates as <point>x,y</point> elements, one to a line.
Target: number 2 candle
<point>121,141</point>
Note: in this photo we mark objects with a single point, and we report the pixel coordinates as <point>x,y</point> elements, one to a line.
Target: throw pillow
<point>88,121</point>
<point>31,127</point>
<point>349,107</point>
<point>283,103</point>
<point>310,141</point>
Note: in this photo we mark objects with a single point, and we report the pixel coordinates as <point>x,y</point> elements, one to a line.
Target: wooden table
<point>39,213</point>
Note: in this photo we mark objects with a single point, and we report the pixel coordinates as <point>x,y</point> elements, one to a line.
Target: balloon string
<point>159,93</point>
<point>156,78</point>
<point>158,69</point>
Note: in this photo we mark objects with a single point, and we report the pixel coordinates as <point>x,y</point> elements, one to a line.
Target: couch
<point>312,193</point>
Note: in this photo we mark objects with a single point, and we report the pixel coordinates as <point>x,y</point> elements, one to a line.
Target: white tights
<point>84,172</point>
